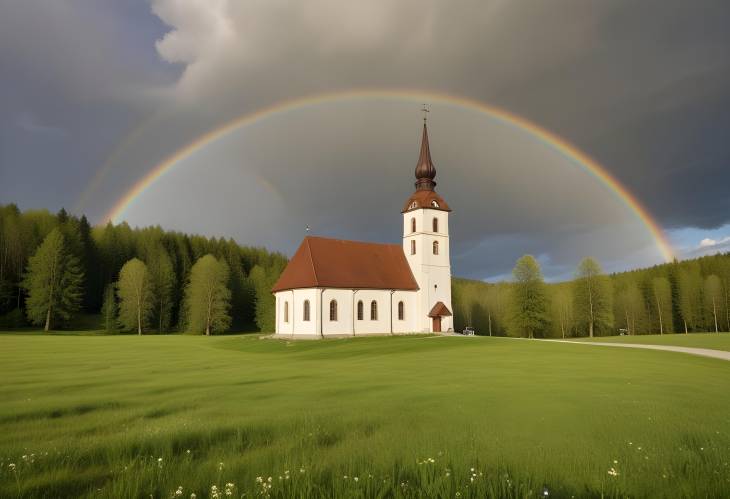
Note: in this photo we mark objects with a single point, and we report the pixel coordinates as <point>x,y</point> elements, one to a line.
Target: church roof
<point>425,199</point>
<point>425,170</point>
<point>439,310</point>
<point>425,195</point>
<point>335,263</point>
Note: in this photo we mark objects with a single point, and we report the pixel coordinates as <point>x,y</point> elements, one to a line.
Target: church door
<point>437,324</point>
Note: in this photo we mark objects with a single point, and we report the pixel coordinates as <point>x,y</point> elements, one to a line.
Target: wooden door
<point>437,324</point>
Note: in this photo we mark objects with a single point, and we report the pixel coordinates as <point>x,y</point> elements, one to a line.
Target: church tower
<point>426,245</point>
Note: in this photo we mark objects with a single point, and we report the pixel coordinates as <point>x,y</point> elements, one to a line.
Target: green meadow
<point>232,416</point>
<point>716,341</point>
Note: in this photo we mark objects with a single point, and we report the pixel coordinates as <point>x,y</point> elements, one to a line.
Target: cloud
<point>27,122</point>
<point>640,87</point>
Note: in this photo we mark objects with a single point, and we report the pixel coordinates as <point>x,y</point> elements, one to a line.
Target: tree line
<point>56,267</point>
<point>678,297</point>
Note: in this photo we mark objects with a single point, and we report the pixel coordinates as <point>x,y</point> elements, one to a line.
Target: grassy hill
<point>127,416</point>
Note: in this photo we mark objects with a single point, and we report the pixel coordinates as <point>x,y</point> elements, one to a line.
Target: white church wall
<point>343,323</point>
<point>381,325</point>
<point>409,324</point>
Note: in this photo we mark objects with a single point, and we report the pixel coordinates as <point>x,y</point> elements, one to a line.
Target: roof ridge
<point>311,261</point>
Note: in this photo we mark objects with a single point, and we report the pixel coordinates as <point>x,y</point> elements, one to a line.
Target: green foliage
<point>529,314</point>
<point>207,296</point>
<point>133,291</point>
<point>54,282</point>
<point>162,281</point>
<point>713,297</point>
<point>265,313</point>
<point>593,299</point>
<point>662,298</point>
<point>109,310</point>
<point>690,297</point>
<point>101,252</point>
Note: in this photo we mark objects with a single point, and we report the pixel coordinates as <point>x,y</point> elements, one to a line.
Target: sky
<point>95,93</point>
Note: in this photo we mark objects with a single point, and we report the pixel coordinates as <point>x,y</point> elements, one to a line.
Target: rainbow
<point>551,140</point>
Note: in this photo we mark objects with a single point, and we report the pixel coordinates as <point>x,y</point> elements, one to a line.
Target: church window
<point>435,203</point>
<point>412,206</point>
<point>373,310</point>
<point>286,311</point>
<point>435,224</point>
<point>435,247</point>
<point>413,247</point>
<point>333,310</point>
<point>359,310</point>
<point>401,311</point>
<point>306,310</point>
<point>413,225</point>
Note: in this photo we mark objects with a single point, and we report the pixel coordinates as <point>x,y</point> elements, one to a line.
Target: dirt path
<point>704,352</point>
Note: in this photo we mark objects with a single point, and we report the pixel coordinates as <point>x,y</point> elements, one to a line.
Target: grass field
<point>127,416</point>
<point>716,341</point>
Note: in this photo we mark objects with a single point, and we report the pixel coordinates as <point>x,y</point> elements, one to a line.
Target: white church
<point>333,287</point>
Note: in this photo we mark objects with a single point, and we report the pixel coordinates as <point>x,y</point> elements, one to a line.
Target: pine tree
<point>54,282</point>
<point>265,304</point>
<point>592,297</point>
<point>109,310</point>
<point>133,292</point>
<point>207,296</point>
<point>529,299</point>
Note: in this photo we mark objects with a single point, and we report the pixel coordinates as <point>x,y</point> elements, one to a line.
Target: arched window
<point>435,224</point>
<point>401,311</point>
<point>333,310</point>
<point>373,310</point>
<point>412,206</point>
<point>413,225</point>
<point>435,203</point>
<point>286,311</point>
<point>435,247</point>
<point>359,310</point>
<point>305,312</point>
<point>413,247</point>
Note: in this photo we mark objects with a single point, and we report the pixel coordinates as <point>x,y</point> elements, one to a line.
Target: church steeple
<point>425,170</point>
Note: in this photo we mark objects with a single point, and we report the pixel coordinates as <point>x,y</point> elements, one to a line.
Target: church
<point>334,287</point>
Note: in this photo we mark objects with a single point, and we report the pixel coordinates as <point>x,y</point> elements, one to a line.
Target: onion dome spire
<point>425,171</point>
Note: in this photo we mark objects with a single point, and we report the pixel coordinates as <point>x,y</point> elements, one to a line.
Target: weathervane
<point>307,229</point>
<point>425,112</point>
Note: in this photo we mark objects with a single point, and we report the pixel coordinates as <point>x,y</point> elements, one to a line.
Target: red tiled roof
<point>439,310</point>
<point>334,263</point>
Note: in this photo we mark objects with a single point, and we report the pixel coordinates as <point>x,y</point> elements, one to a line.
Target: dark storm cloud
<point>642,87</point>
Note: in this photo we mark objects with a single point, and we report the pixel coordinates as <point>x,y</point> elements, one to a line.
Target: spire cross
<point>425,112</point>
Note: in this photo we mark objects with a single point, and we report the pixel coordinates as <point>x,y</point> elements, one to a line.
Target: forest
<point>59,272</point>
<point>678,297</point>
<point>125,279</point>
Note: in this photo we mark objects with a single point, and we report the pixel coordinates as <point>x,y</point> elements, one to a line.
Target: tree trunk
<point>628,324</point>
<point>48,320</point>
<point>489,316</point>
<point>139,316</point>
<point>685,327</point>
<point>659,311</point>
<point>714,313</point>
<point>590,303</point>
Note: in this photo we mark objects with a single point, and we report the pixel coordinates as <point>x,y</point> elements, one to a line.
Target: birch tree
<point>713,299</point>
<point>592,297</point>
<point>208,297</point>
<point>662,295</point>
<point>133,290</point>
